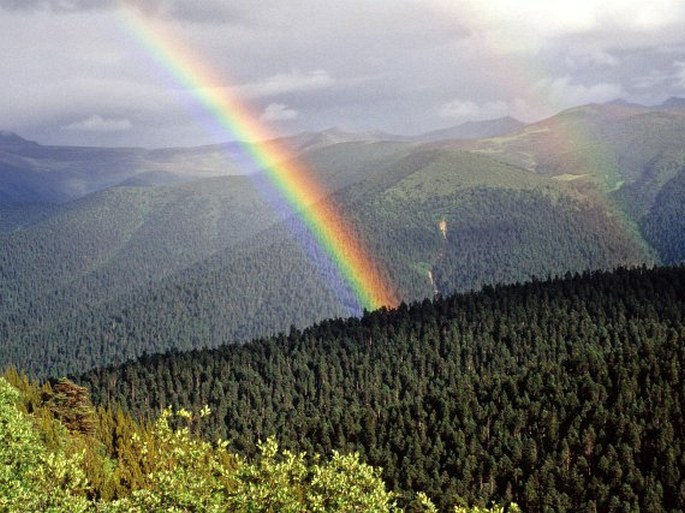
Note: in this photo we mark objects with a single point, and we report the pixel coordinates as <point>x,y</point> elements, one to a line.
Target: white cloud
<point>562,93</point>
<point>508,26</point>
<point>278,112</point>
<point>97,123</point>
<point>591,58</point>
<point>282,83</point>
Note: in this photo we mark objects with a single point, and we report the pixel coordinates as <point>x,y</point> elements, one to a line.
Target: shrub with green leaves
<point>175,471</point>
<point>31,478</point>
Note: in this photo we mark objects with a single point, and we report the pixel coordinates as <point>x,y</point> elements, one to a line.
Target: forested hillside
<point>564,395</point>
<point>171,256</point>
<point>473,220</point>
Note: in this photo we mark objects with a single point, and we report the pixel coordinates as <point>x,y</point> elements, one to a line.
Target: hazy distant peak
<point>345,135</point>
<point>476,129</point>
<point>622,102</point>
<point>330,136</point>
<point>10,140</point>
<point>335,130</point>
<point>335,135</point>
<point>6,135</point>
<point>674,102</point>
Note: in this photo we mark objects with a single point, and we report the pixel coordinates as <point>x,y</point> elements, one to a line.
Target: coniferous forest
<point>107,254</point>
<point>565,395</point>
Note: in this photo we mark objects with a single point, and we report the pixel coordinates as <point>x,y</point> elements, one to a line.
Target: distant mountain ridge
<point>475,129</point>
<point>34,173</point>
<point>11,141</point>
<point>675,103</point>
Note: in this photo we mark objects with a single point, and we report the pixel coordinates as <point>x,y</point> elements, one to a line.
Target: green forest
<point>67,306</point>
<point>564,395</point>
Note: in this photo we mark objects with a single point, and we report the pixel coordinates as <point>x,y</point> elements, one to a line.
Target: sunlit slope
<point>454,220</point>
<point>628,155</point>
<point>612,145</point>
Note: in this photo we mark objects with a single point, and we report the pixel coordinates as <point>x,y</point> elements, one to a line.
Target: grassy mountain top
<point>610,143</point>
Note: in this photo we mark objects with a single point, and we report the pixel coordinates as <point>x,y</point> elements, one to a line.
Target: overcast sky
<point>74,72</point>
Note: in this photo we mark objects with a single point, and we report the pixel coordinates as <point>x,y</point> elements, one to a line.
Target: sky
<point>76,72</point>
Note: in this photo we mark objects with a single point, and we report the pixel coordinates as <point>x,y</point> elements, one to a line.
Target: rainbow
<point>322,218</point>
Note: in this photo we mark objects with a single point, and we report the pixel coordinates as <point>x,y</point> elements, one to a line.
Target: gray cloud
<point>403,67</point>
<point>207,11</point>
<point>61,6</point>
<point>97,123</point>
<point>213,12</point>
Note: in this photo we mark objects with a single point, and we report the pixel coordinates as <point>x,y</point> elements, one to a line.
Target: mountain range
<point>110,253</point>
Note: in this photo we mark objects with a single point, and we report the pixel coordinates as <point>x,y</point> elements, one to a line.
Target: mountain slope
<point>475,220</point>
<point>33,173</point>
<point>501,223</point>
<point>617,148</point>
<point>664,225</point>
<point>217,260</point>
<point>115,241</point>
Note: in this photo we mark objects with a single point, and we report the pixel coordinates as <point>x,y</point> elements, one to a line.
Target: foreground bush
<point>45,464</point>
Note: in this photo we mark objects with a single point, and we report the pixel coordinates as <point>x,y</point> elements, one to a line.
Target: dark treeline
<point>565,395</point>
